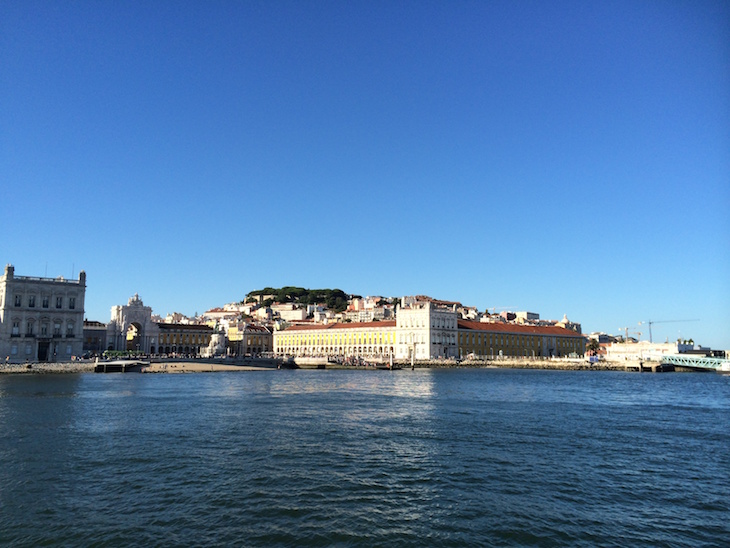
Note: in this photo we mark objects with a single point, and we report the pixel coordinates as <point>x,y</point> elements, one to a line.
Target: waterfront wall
<point>40,368</point>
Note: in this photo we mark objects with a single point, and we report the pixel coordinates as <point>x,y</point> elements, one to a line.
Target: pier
<point>698,363</point>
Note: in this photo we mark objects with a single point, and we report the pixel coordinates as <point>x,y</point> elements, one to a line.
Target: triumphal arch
<point>131,328</point>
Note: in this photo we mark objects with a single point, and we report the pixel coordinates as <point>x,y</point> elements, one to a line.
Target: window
<point>31,301</point>
<point>45,301</point>
<point>44,329</point>
<point>69,329</point>
<point>57,327</point>
<point>72,303</point>
<point>16,328</point>
<point>17,300</point>
<point>59,302</point>
<point>29,328</point>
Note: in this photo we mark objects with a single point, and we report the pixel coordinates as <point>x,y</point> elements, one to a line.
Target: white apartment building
<point>41,319</point>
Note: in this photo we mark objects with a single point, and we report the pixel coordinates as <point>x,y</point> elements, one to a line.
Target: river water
<point>478,457</point>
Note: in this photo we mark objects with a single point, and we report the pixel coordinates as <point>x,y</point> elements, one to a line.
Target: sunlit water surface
<point>403,458</point>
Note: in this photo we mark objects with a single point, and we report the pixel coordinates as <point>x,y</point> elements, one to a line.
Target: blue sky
<point>557,157</point>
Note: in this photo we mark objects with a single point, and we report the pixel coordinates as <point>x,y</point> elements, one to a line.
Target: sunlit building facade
<point>367,339</point>
<point>425,330</point>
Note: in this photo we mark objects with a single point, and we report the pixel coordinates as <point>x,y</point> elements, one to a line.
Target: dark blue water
<point>316,458</point>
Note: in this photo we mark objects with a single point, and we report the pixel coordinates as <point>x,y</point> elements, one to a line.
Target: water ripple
<point>315,458</point>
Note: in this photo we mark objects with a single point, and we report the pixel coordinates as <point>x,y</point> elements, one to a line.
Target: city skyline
<point>563,159</point>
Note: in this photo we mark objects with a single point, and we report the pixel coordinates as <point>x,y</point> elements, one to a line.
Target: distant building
<point>428,329</point>
<point>94,337</point>
<point>41,319</point>
<point>185,339</point>
<point>515,340</point>
<point>132,329</point>
<point>370,339</point>
<point>645,350</point>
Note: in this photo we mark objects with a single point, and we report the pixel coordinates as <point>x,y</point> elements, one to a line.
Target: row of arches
<point>370,351</point>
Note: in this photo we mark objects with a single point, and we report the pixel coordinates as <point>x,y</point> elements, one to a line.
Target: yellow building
<point>426,330</point>
<point>249,339</point>
<point>365,339</point>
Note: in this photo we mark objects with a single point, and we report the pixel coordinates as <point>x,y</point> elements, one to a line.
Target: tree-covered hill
<point>335,299</point>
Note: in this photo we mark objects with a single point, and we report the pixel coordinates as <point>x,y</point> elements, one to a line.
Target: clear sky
<point>556,157</point>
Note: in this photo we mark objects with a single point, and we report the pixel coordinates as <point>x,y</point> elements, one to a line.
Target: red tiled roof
<point>256,328</point>
<point>352,325</point>
<point>183,326</point>
<point>516,328</point>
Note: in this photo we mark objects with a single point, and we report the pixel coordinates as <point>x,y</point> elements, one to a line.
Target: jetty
<point>119,366</point>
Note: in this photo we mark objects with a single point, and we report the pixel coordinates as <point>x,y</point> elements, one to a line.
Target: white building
<point>645,350</point>
<point>426,330</point>
<point>41,319</point>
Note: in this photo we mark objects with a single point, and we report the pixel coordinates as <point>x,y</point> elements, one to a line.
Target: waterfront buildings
<point>651,351</point>
<point>132,328</point>
<point>41,319</point>
<point>94,337</point>
<point>428,329</point>
<point>337,339</point>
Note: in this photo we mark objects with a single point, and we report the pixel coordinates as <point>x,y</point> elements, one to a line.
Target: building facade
<point>131,328</point>
<point>369,339</point>
<point>41,319</point>
<point>182,339</point>
<point>94,337</point>
<point>246,339</point>
<point>425,330</point>
<point>492,340</point>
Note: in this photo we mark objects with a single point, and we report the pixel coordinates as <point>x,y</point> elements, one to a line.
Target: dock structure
<point>648,366</point>
<point>703,363</point>
<point>119,366</point>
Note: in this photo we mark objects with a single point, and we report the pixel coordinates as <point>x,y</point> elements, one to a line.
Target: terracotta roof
<point>256,328</point>
<point>352,325</point>
<point>182,326</point>
<point>439,302</point>
<point>516,328</point>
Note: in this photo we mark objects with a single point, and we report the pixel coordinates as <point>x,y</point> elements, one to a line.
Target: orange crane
<point>652,322</point>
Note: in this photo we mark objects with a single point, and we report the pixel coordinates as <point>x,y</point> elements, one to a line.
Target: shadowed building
<point>41,319</point>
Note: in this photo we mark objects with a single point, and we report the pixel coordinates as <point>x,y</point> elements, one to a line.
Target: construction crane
<point>652,322</point>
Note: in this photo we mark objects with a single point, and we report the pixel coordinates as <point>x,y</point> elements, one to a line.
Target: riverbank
<point>249,364</point>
